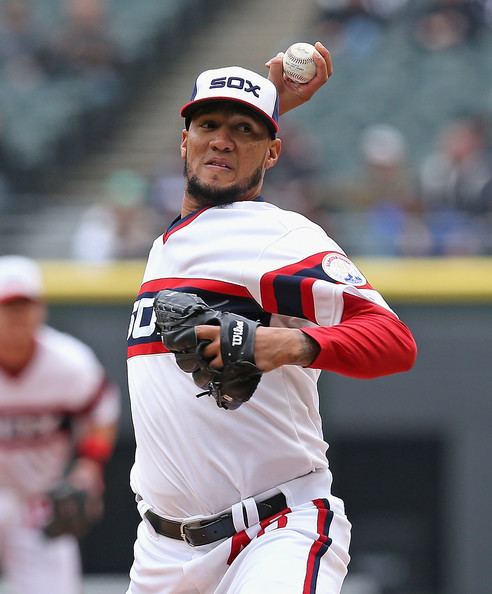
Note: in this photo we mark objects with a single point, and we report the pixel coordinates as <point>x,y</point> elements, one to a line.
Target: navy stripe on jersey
<point>319,547</point>
<point>290,293</point>
<point>142,335</point>
<point>288,290</point>
<point>315,272</point>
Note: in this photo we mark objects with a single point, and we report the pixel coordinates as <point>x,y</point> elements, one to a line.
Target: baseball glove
<point>177,315</point>
<point>72,511</point>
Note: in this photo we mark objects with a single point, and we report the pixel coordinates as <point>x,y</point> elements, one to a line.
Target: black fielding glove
<point>72,511</point>
<point>177,315</point>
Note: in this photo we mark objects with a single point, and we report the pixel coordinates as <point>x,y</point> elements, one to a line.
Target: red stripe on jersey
<point>268,299</point>
<point>369,342</point>
<point>205,284</point>
<point>324,518</point>
<point>311,574</point>
<point>185,221</point>
<point>307,299</point>
<point>147,348</point>
<point>239,541</point>
<point>319,547</point>
<point>309,262</point>
<point>34,409</point>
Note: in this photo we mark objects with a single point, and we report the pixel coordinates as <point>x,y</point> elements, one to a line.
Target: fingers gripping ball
<point>178,314</point>
<point>298,62</point>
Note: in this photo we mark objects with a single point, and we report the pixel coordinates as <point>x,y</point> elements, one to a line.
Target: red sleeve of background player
<point>369,342</point>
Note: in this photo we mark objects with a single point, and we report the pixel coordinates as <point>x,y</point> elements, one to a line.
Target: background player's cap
<point>20,278</point>
<point>234,83</point>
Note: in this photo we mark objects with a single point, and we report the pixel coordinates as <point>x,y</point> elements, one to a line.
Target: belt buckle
<point>201,524</point>
<point>182,532</point>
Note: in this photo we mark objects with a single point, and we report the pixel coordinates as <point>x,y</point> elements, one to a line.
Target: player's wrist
<point>284,346</point>
<point>97,448</point>
<point>308,349</point>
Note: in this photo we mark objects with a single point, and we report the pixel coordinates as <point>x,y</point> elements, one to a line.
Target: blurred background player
<point>58,415</point>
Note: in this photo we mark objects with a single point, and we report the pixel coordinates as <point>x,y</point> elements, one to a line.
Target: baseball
<point>298,62</point>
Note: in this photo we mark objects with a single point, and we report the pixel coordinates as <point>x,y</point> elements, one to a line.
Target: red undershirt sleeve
<point>369,342</point>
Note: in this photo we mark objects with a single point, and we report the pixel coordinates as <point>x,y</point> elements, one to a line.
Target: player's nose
<point>222,140</point>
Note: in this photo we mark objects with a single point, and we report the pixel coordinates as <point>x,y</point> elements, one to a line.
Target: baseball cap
<point>20,278</point>
<point>234,83</point>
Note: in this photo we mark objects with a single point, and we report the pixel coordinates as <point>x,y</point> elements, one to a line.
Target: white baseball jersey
<point>275,266</point>
<point>63,384</point>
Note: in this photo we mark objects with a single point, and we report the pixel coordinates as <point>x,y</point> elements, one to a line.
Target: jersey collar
<point>180,222</point>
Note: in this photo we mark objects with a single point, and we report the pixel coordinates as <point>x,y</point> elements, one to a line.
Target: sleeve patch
<point>339,268</point>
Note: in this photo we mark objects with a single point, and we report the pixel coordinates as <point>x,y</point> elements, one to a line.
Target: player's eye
<point>245,127</point>
<point>208,124</point>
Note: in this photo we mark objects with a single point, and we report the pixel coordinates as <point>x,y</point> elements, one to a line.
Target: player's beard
<point>207,195</point>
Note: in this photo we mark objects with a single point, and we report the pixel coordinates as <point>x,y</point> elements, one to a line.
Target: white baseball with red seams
<point>298,62</point>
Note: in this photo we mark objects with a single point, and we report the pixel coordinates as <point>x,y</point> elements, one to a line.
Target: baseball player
<point>58,414</point>
<point>236,498</point>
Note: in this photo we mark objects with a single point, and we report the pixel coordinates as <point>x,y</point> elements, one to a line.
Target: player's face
<point>227,151</point>
<point>20,320</point>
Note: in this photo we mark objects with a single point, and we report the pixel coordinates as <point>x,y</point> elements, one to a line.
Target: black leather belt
<point>201,532</point>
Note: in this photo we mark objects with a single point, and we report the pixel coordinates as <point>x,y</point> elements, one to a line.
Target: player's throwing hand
<point>293,94</point>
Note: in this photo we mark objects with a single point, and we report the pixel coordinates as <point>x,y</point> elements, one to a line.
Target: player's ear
<point>184,138</point>
<point>273,153</point>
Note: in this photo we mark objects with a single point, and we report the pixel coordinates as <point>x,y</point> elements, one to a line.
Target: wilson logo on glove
<point>237,333</point>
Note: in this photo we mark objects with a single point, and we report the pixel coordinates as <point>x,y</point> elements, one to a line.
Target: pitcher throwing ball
<point>242,304</point>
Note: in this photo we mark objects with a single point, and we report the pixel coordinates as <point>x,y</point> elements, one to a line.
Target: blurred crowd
<point>435,24</point>
<point>393,203</point>
<point>388,208</point>
<point>441,208</point>
<point>80,45</point>
<point>53,51</point>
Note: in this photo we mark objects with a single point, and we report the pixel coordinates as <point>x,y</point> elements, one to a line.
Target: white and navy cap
<point>20,278</point>
<point>234,83</point>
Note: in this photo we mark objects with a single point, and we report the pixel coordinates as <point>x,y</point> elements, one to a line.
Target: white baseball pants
<point>31,563</point>
<point>303,551</point>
